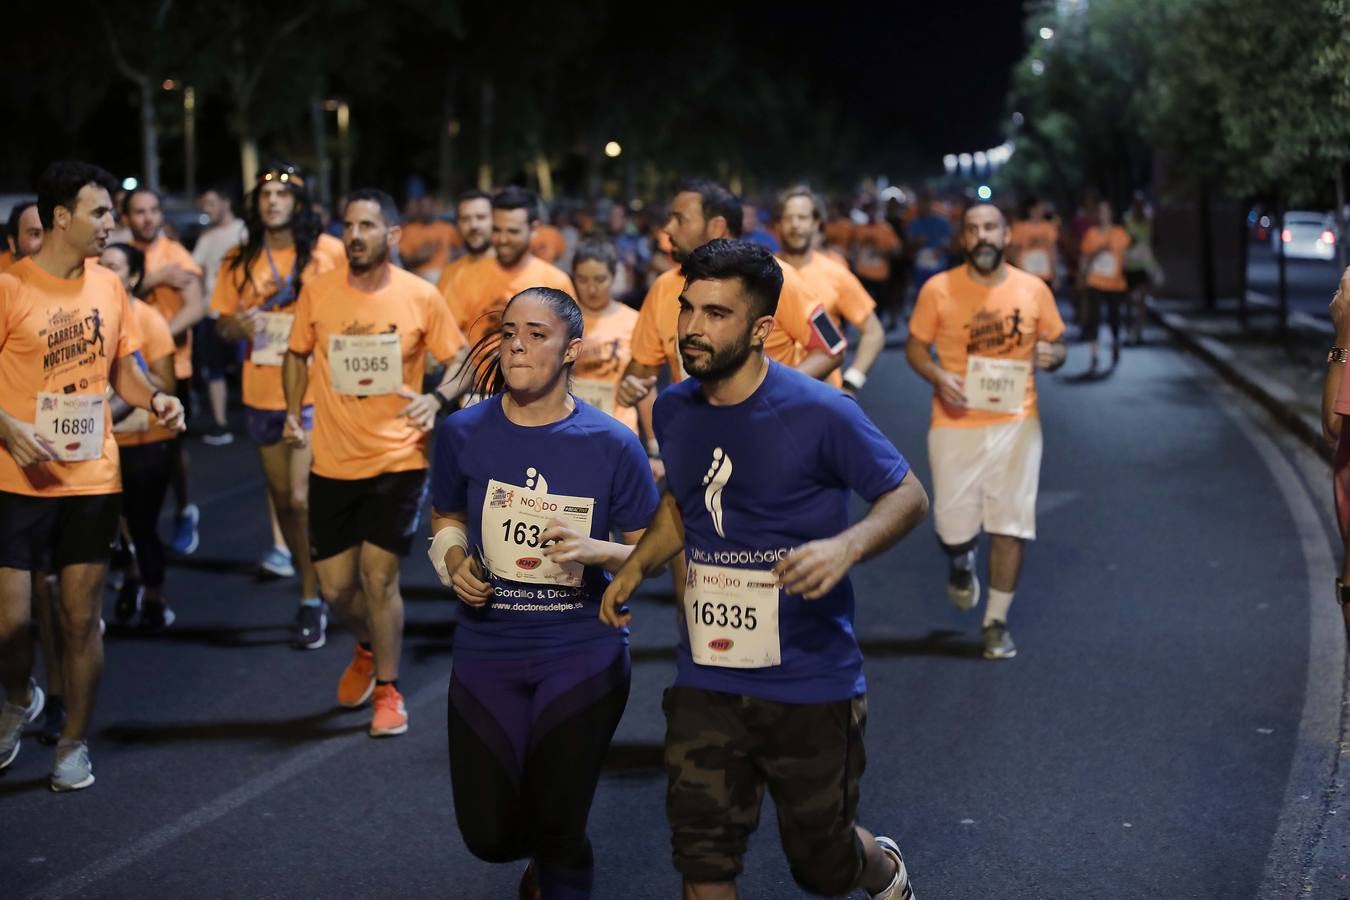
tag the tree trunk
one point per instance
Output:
(318, 126)
(149, 135)
(1206, 249)
(248, 161)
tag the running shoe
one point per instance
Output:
(53, 721)
(899, 888)
(13, 717)
(218, 436)
(118, 564)
(963, 587)
(358, 680)
(390, 716)
(311, 627)
(129, 600)
(156, 617)
(998, 642)
(277, 563)
(71, 771)
(185, 537)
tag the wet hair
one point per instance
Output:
(15, 214)
(817, 207)
(61, 183)
(715, 201)
(513, 197)
(141, 189)
(388, 208)
(484, 359)
(596, 250)
(760, 274)
(135, 260)
(304, 229)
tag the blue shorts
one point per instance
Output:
(266, 426)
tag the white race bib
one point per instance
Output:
(600, 394)
(1036, 262)
(72, 423)
(271, 337)
(365, 364)
(513, 520)
(136, 423)
(1104, 265)
(996, 385)
(732, 617)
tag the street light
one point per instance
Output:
(612, 149)
(1037, 68)
(1047, 33)
(949, 162)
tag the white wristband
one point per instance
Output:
(447, 537)
(854, 378)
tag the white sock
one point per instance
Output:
(997, 607)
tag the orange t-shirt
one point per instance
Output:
(842, 294)
(61, 335)
(443, 236)
(656, 336)
(166, 300)
(6, 260)
(606, 349)
(873, 247)
(448, 283)
(156, 343)
(548, 243)
(484, 287)
(839, 235)
(361, 437)
(1004, 322)
(1105, 255)
(1037, 245)
(332, 249)
(262, 384)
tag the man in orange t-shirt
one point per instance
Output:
(473, 218)
(1034, 244)
(65, 337)
(548, 243)
(992, 326)
(480, 294)
(428, 241)
(369, 328)
(1101, 267)
(173, 286)
(843, 295)
(607, 339)
(875, 246)
(254, 298)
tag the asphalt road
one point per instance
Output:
(1140, 745)
(1311, 282)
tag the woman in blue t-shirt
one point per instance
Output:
(527, 488)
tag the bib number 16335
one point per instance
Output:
(732, 617)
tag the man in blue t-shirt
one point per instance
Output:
(928, 238)
(760, 463)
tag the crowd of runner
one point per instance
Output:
(589, 403)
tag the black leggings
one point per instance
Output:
(528, 739)
(145, 480)
(1092, 319)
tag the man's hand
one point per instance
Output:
(173, 275)
(421, 409)
(562, 543)
(812, 570)
(658, 467)
(26, 446)
(169, 410)
(469, 584)
(621, 587)
(634, 387)
(1050, 355)
(951, 388)
(294, 433)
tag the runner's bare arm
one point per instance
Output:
(132, 385)
(812, 570)
(565, 544)
(663, 539)
(23, 443)
(819, 363)
(950, 386)
(294, 381)
(194, 307)
(467, 577)
(1050, 355)
(871, 341)
(637, 382)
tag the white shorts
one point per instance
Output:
(985, 477)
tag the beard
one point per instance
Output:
(374, 258)
(796, 248)
(986, 257)
(479, 248)
(719, 362)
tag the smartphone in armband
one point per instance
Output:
(825, 334)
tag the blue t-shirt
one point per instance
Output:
(587, 454)
(931, 257)
(786, 460)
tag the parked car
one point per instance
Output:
(1306, 235)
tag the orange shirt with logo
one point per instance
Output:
(1105, 255)
(482, 290)
(963, 317)
(606, 348)
(1036, 246)
(873, 247)
(61, 335)
(156, 343)
(168, 300)
(361, 437)
(443, 236)
(656, 336)
(262, 384)
(839, 235)
(548, 243)
(844, 297)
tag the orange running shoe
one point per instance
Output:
(390, 716)
(358, 680)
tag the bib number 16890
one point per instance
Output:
(725, 615)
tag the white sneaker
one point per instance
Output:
(963, 586)
(14, 717)
(899, 888)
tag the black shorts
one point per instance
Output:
(383, 511)
(46, 534)
(1136, 278)
(723, 750)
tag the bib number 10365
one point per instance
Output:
(72, 424)
(365, 364)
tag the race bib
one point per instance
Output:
(600, 394)
(72, 423)
(136, 423)
(996, 385)
(732, 617)
(514, 518)
(270, 338)
(365, 364)
(1104, 265)
(928, 259)
(1036, 262)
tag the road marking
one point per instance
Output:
(221, 806)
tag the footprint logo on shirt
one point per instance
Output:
(535, 481)
(719, 473)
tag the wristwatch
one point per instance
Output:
(1338, 355)
(854, 378)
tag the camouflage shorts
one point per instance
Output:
(722, 750)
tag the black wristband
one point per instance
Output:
(443, 400)
(153, 395)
